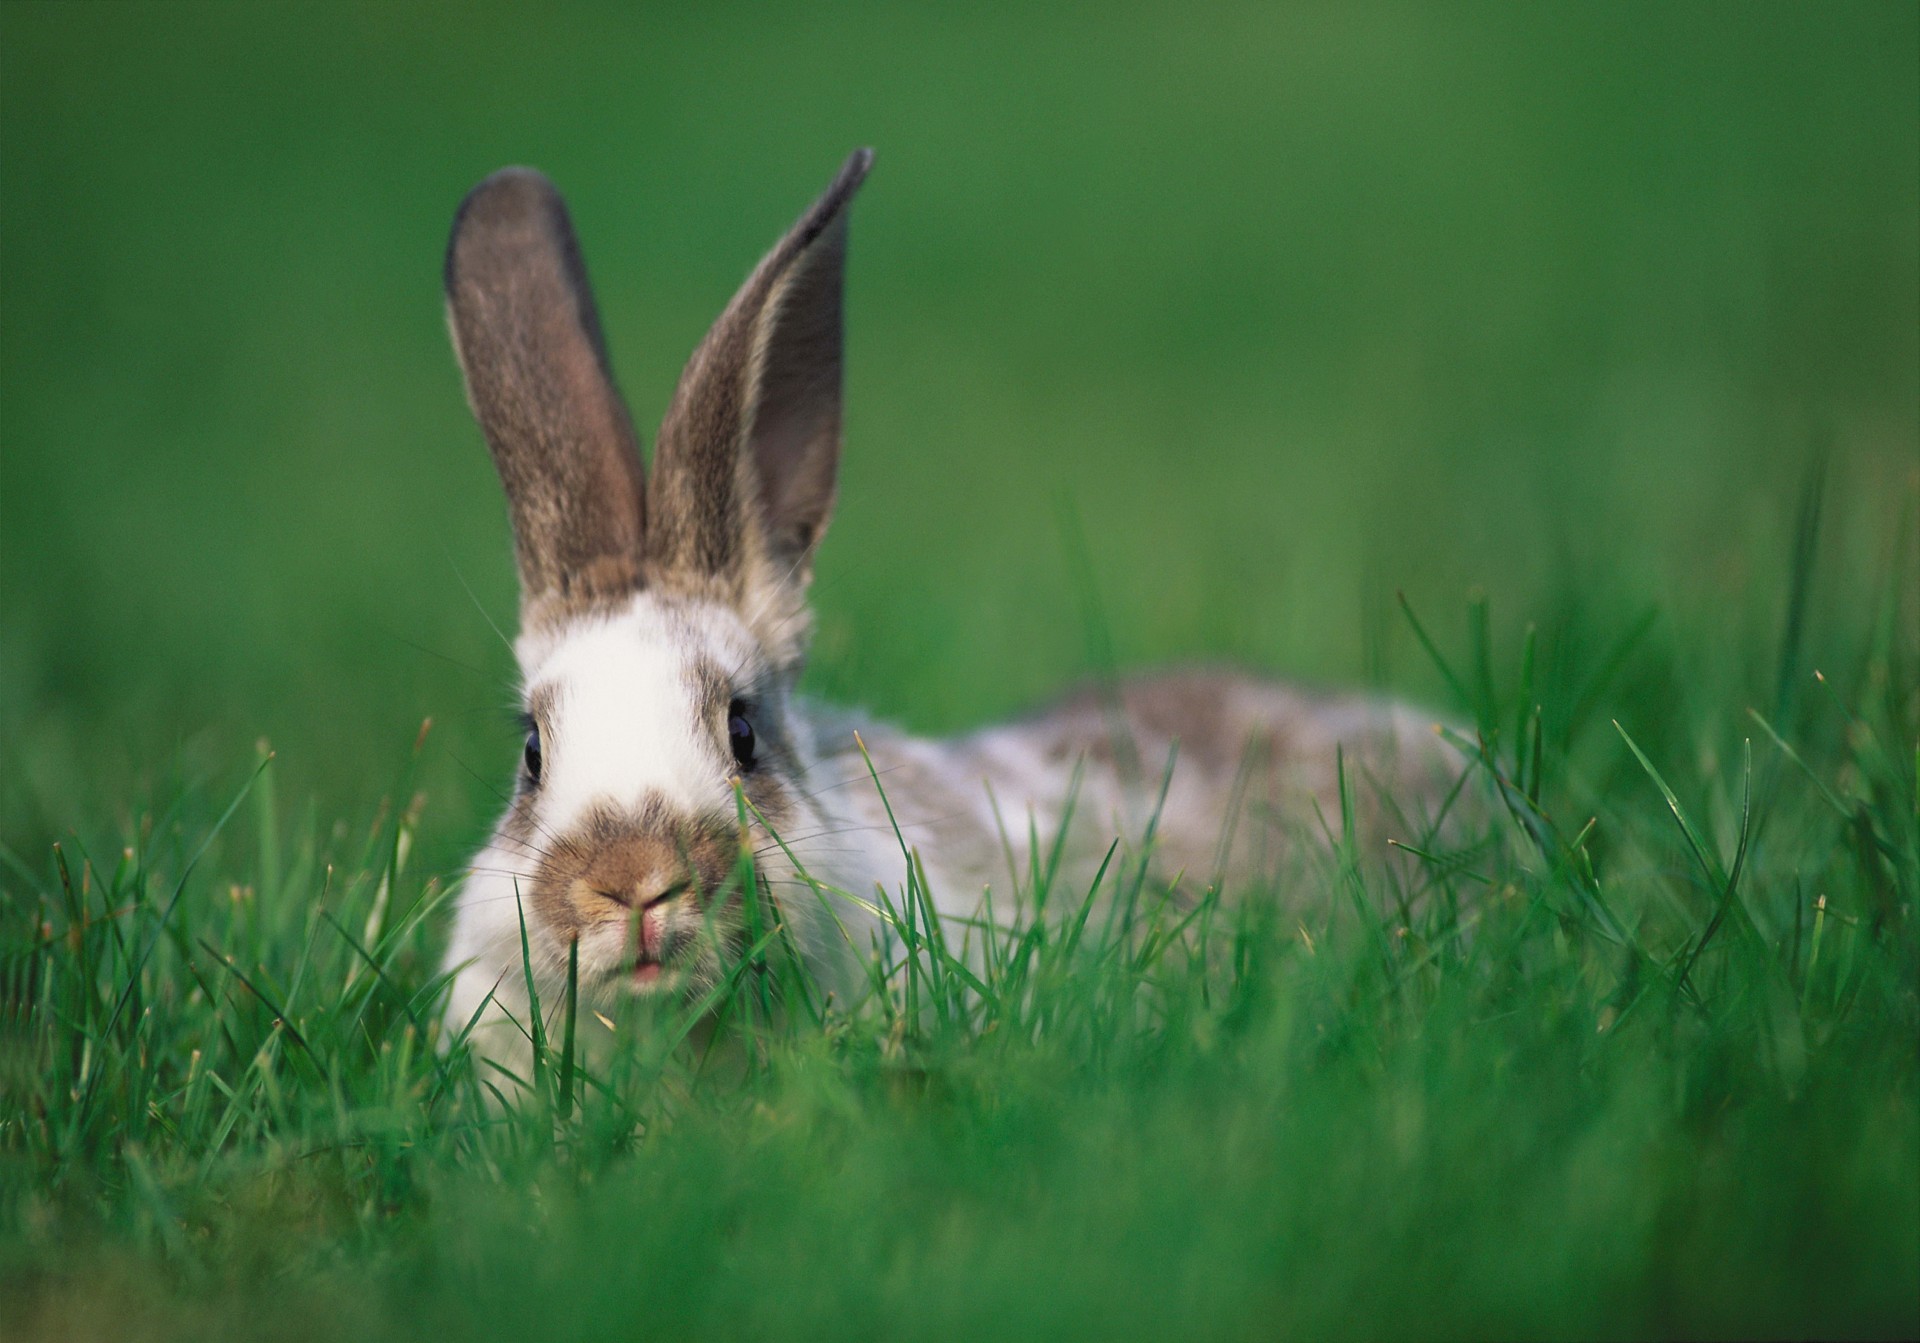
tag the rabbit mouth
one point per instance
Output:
(652, 971)
(651, 977)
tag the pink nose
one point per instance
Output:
(651, 932)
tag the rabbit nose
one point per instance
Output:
(634, 866)
(631, 897)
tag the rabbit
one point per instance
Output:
(663, 625)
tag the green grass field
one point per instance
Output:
(1591, 335)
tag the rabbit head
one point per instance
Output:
(663, 616)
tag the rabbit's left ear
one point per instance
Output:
(744, 469)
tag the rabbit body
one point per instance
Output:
(663, 626)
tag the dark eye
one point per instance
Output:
(532, 756)
(740, 735)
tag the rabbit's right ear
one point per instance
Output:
(529, 343)
(744, 469)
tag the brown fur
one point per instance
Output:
(614, 865)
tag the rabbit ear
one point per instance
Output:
(743, 475)
(529, 343)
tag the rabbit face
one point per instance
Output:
(663, 615)
(626, 820)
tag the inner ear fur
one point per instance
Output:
(537, 376)
(745, 468)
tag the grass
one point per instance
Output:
(1559, 369)
(1626, 1063)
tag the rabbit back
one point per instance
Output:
(1217, 776)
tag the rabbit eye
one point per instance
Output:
(740, 735)
(532, 756)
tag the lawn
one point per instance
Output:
(1556, 368)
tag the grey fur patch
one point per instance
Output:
(712, 690)
(1251, 771)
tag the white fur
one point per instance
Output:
(624, 723)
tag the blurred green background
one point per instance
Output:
(1288, 307)
(1192, 331)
